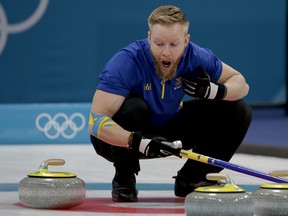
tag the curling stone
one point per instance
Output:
(51, 190)
(221, 199)
(271, 199)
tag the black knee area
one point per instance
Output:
(133, 115)
(103, 149)
(122, 158)
(243, 112)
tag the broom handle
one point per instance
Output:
(227, 165)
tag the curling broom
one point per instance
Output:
(230, 166)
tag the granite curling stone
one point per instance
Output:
(271, 199)
(43, 189)
(224, 198)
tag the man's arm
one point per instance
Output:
(107, 104)
(235, 83)
(101, 125)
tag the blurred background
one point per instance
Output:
(51, 53)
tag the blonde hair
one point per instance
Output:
(167, 15)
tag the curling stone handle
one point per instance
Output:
(53, 162)
(279, 173)
(218, 177)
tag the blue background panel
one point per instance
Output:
(57, 57)
(44, 123)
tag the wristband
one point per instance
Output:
(214, 89)
(134, 141)
(221, 93)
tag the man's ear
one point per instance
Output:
(149, 36)
(187, 39)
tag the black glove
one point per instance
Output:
(203, 88)
(153, 147)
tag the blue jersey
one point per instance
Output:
(131, 72)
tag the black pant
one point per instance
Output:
(214, 128)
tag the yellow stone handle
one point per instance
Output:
(218, 177)
(279, 173)
(227, 187)
(44, 172)
(53, 162)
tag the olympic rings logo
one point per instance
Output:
(6, 28)
(60, 125)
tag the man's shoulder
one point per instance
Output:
(137, 45)
(139, 50)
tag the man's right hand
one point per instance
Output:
(155, 146)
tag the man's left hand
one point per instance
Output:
(203, 88)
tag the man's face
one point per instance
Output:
(167, 44)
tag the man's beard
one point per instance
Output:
(164, 74)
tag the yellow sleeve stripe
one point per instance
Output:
(91, 119)
(98, 121)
